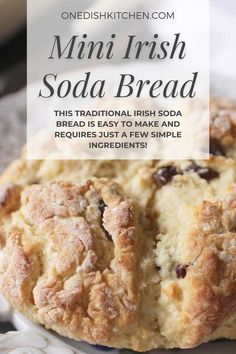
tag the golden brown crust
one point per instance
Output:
(77, 269)
(223, 121)
(223, 127)
(9, 198)
(211, 280)
(196, 253)
(154, 269)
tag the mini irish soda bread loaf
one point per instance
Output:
(71, 258)
(127, 254)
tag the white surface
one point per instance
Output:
(223, 34)
(32, 342)
(222, 37)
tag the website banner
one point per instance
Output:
(118, 82)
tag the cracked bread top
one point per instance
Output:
(143, 262)
(70, 258)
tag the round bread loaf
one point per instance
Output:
(127, 254)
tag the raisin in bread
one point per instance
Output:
(128, 254)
